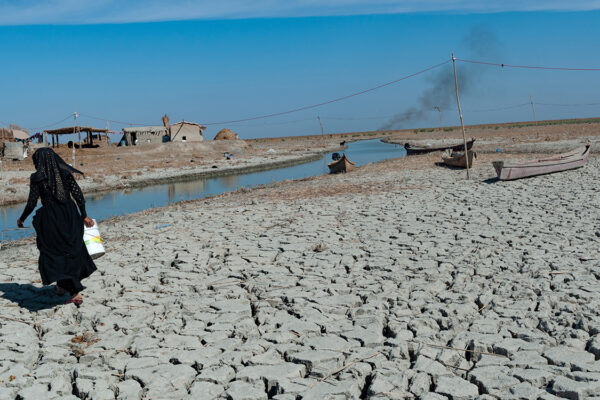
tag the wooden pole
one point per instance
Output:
(321, 124)
(73, 141)
(462, 125)
(533, 108)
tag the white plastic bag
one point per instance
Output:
(93, 242)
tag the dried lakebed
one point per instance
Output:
(337, 297)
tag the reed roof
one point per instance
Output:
(71, 129)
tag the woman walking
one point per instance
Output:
(59, 227)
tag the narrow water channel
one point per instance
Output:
(119, 202)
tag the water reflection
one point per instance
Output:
(229, 181)
(108, 204)
(183, 190)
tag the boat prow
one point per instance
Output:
(341, 165)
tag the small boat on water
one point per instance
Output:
(340, 165)
(457, 159)
(507, 170)
(412, 150)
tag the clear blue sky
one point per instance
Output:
(229, 66)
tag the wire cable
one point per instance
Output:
(500, 108)
(113, 121)
(567, 105)
(329, 101)
(528, 66)
(49, 125)
(356, 118)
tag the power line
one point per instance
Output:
(113, 121)
(49, 125)
(356, 118)
(275, 123)
(500, 108)
(360, 93)
(568, 105)
(296, 109)
(528, 66)
(329, 101)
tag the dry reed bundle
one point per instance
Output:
(226, 134)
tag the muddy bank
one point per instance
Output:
(15, 184)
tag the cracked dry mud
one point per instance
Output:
(427, 287)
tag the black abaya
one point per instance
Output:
(59, 229)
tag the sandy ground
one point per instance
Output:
(398, 280)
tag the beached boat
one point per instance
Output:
(412, 150)
(457, 159)
(507, 170)
(341, 165)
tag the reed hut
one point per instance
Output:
(226, 134)
(20, 134)
(185, 131)
(89, 134)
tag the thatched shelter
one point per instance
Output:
(185, 131)
(9, 134)
(141, 135)
(72, 130)
(226, 134)
(5, 135)
(20, 134)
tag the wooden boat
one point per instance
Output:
(457, 159)
(412, 150)
(507, 170)
(341, 165)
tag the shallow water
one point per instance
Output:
(109, 204)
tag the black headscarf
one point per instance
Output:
(51, 170)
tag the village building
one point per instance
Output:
(185, 131)
(142, 135)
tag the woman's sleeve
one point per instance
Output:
(77, 195)
(34, 194)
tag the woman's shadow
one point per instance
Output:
(31, 297)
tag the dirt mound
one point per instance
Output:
(226, 134)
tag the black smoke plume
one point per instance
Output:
(481, 43)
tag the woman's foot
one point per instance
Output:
(77, 299)
(59, 291)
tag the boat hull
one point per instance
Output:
(459, 160)
(414, 150)
(341, 165)
(563, 162)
